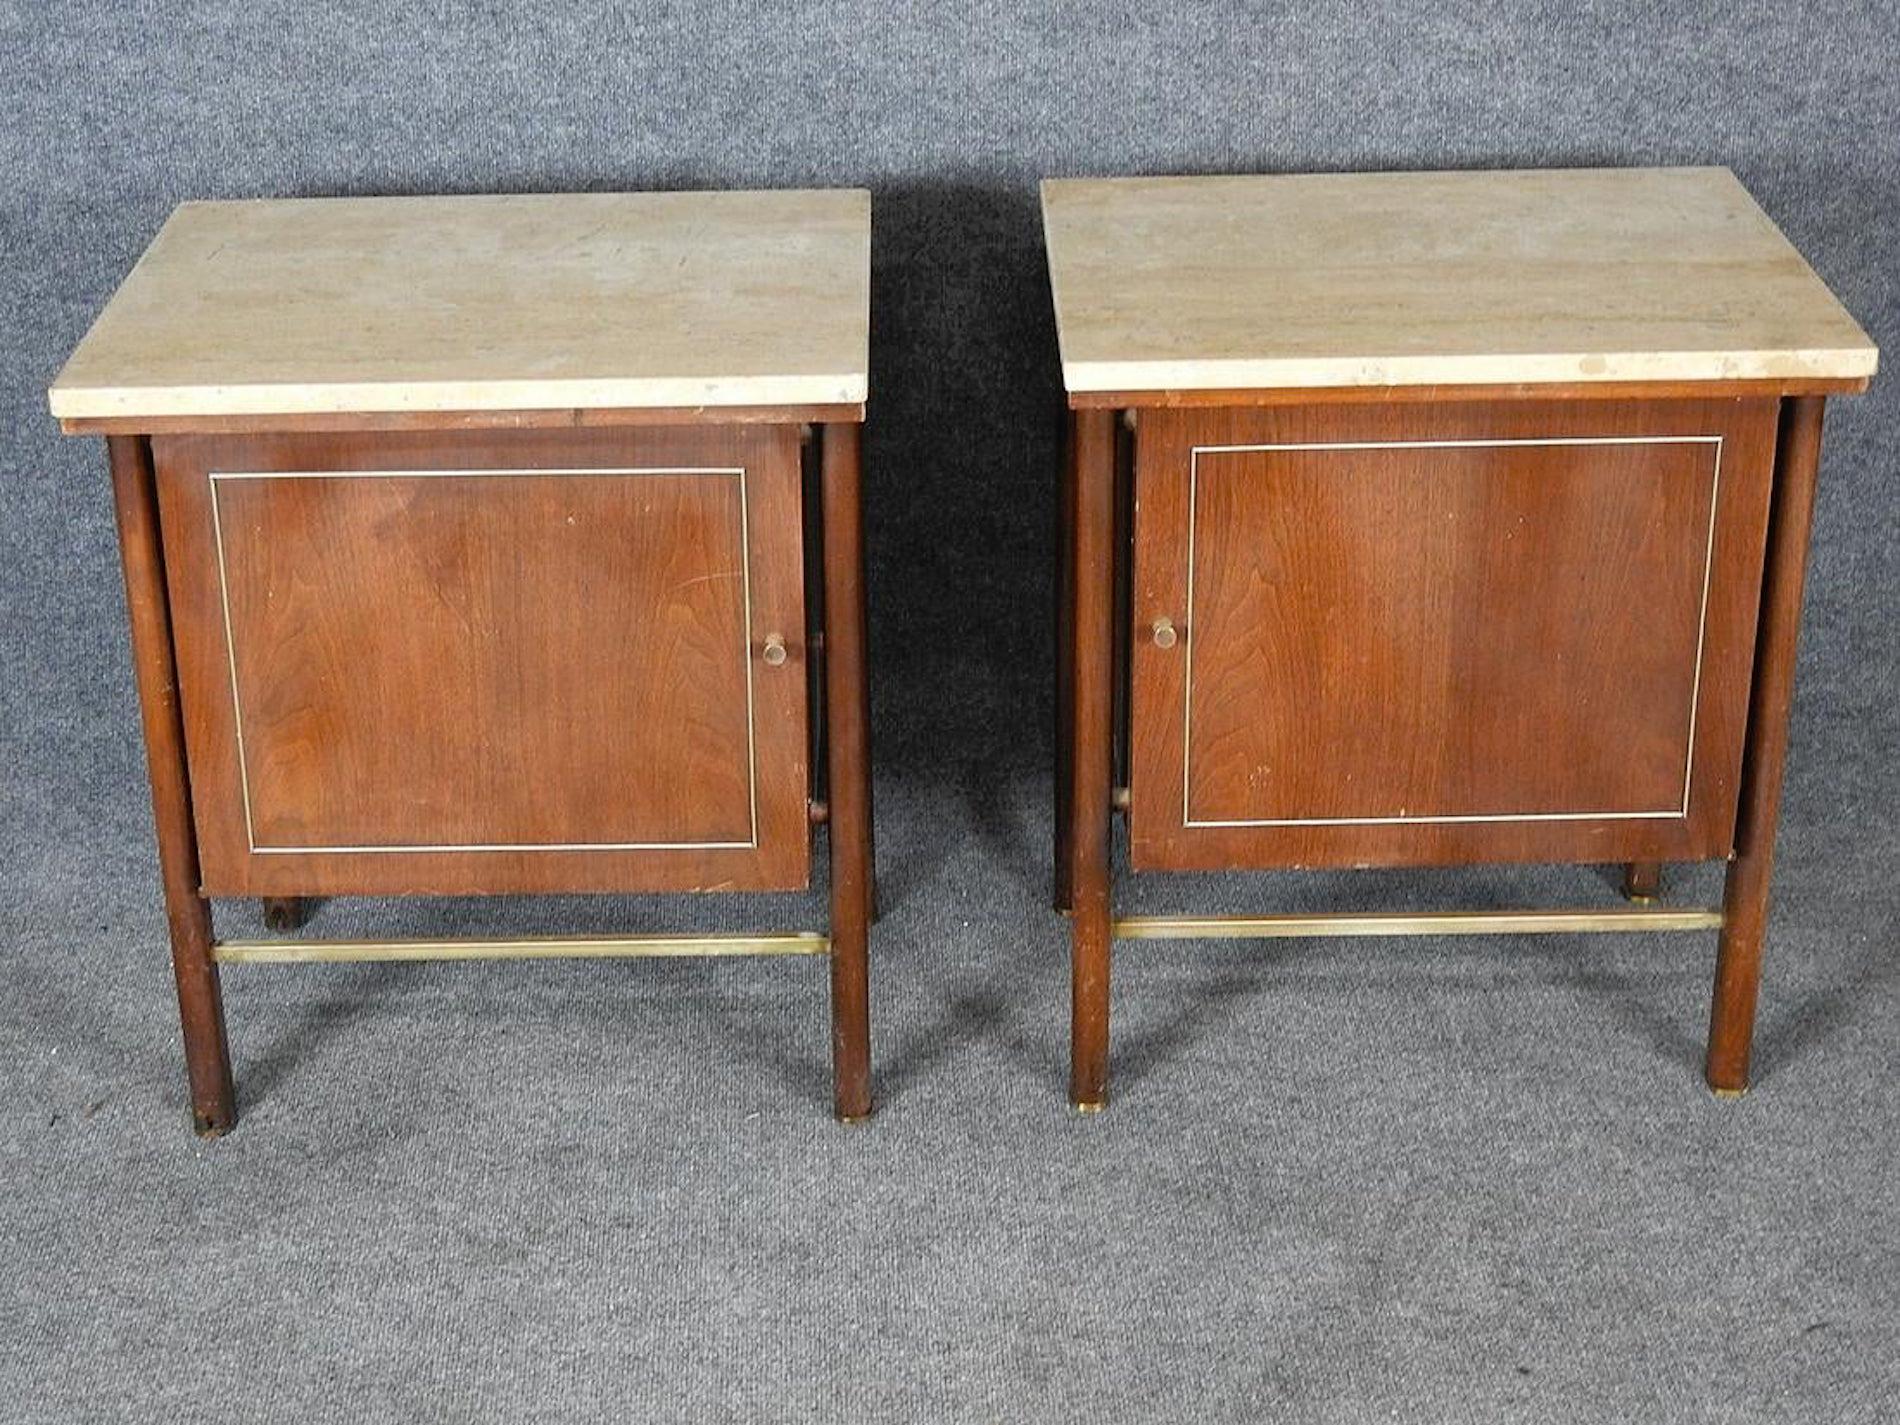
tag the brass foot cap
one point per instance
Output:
(1641, 900)
(1096, 1107)
(850, 1118)
(1729, 1093)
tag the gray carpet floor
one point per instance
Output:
(1340, 1181)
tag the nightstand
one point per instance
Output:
(1463, 519)
(495, 544)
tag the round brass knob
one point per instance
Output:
(774, 651)
(1164, 632)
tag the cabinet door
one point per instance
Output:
(491, 661)
(1429, 634)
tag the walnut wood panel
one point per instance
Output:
(848, 767)
(1420, 635)
(499, 661)
(1745, 898)
(194, 970)
(1091, 769)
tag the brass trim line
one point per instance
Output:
(217, 477)
(1195, 453)
(539, 947)
(1442, 922)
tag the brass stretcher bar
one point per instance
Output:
(1443, 922)
(536, 947)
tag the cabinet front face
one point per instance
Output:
(1413, 634)
(473, 662)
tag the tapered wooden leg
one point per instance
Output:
(849, 739)
(1745, 900)
(1092, 555)
(284, 912)
(1065, 665)
(200, 1003)
(1642, 880)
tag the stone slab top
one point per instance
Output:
(286, 307)
(1427, 279)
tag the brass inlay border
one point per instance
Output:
(537, 947)
(1442, 922)
(237, 707)
(1695, 694)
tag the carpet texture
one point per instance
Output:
(1474, 1180)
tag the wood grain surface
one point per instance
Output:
(491, 661)
(1415, 635)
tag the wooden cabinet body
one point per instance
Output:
(1432, 634)
(529, 661)
(1426, 519)
(495, 544)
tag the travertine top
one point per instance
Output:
(1399, 279)
(595, 300)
